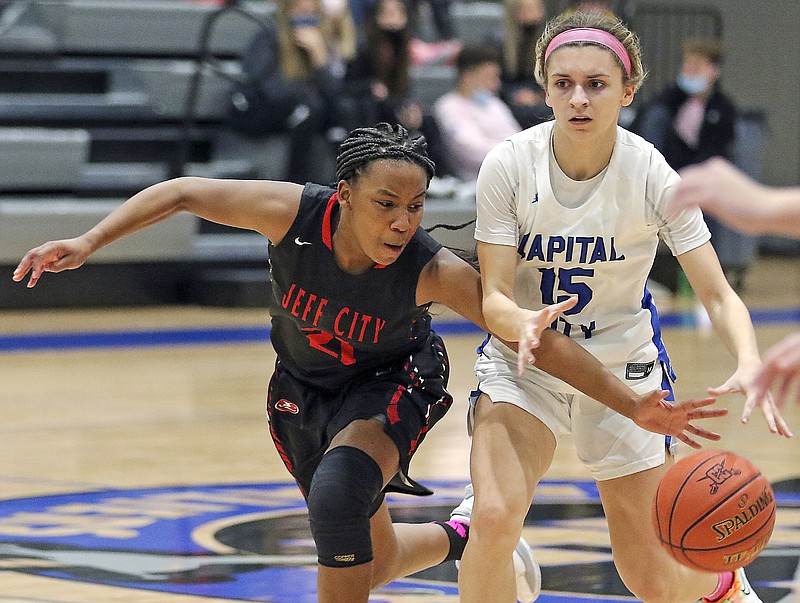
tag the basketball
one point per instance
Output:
(714, 511)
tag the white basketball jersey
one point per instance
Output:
(602, 251)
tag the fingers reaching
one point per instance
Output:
(692, 407)
(555, 310)
(531, 330)
(658, 415)
(725, 388)
(53, 256)
(27, 265)
(783, 428)
(763, 398)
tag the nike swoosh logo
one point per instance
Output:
(297, 241)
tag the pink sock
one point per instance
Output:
(724, 584)
(457, 532)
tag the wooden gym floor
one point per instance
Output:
(137, 465)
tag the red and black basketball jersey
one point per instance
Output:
(329, 326)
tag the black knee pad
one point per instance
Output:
(345, 485)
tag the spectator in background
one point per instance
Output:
(378, 80)
(524, 22)
(422, 52)
(381, 68)
(358, 12)
(441, 12)
(693, 120)
(293, 77)
(340, 27)
(472, 118)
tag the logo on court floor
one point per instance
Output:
(251, 542)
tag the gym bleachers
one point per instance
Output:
(49, 217)
(42, 158)
(121, 71)
(94, 97)
(168, 28)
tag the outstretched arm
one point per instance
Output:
(731, 320)
(505, 318)
(563, 358)
(720, 189)
(264, 206)
(453, 282)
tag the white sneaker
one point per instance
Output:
(464, 509)
(528, 573)
(526, 570)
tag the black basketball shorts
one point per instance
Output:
(408, 397)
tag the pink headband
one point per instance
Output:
(590, 34)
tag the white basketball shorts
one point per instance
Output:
(609, 444)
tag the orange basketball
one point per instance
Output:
(714, 511)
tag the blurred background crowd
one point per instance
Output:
(101, 98)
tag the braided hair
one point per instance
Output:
(382, 141)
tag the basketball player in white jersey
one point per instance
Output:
(575, 206)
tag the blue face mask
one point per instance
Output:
(481, 97)
(692, 84)
(305, 21)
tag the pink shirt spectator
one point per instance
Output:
(471, 129)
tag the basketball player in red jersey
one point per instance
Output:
(360, 376)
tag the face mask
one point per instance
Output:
(393, 35)
(305, 21)
(530, 28)
(692, 84)
(481, 97)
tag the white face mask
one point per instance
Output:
(481, 97)
(692, 84)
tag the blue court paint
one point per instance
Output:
(132, 339)
(251, 542)
(32, 342)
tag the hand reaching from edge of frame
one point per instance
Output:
(658, 415)
(53, 256)
(531, 330)
(740, 383)
(718, 188)
(780, 371)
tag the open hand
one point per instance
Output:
(658, 415)
(740, 383)
(53, 256)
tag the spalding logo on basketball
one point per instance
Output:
(714, 511)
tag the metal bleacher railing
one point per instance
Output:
(207, 61)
